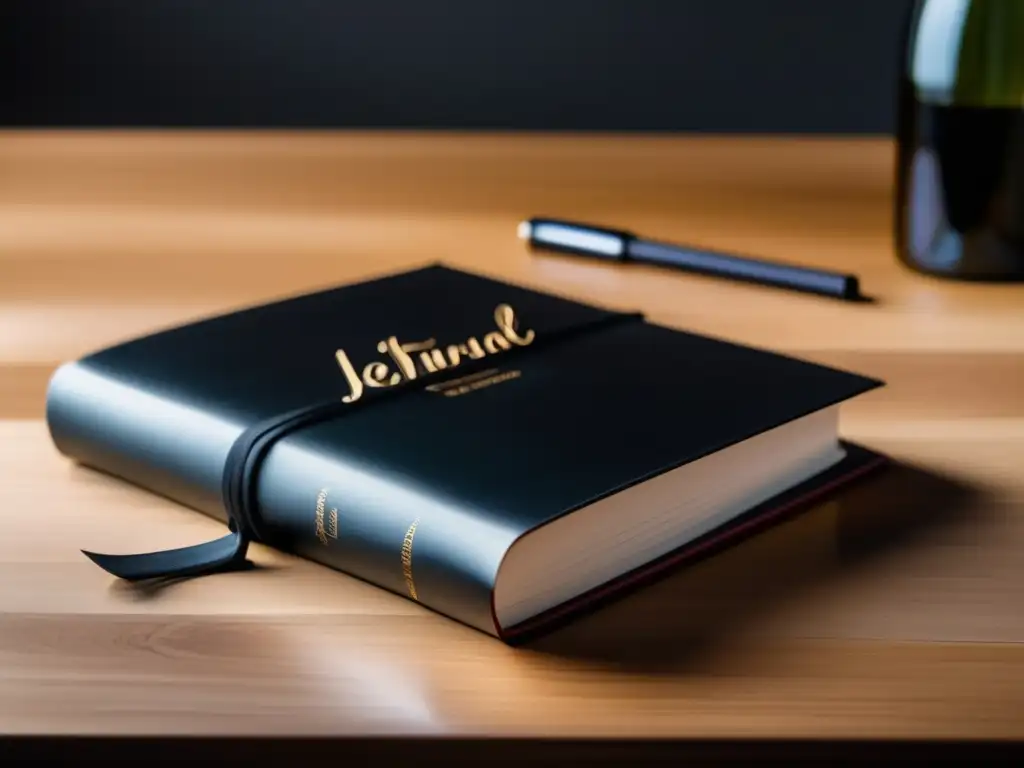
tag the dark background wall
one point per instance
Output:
(801, 66)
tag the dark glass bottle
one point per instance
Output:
(959, 198)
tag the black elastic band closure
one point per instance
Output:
(238, 488)
(239, 482)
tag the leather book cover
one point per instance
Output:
(454, 415)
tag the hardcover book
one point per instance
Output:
(505, 457)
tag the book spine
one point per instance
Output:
(318, 504)
(330, 508)
(143, 437)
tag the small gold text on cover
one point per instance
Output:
(410, 534)
(466, 384)
(326, 520)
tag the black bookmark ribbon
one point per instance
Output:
(238, 488)
(239, 483)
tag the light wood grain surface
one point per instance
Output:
(894, 610)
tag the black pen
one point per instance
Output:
(620, 245)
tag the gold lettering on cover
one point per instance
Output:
(433, 360)
(321, 503)
(354, 382)
(410, 584)
(427, 363)
(505, 317)
(441, 386)
(376, 375)
(456, 352)
(474, 350)
(400, 353)
(494, 342)
(325, 529)
(478, 383)
(431, 357)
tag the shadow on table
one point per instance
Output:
(684, 617)
(147, 590)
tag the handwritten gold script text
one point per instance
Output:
(411, 358)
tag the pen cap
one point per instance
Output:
(570, 237)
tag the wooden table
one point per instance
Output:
(893, 612)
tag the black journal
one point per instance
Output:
(503, 456)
